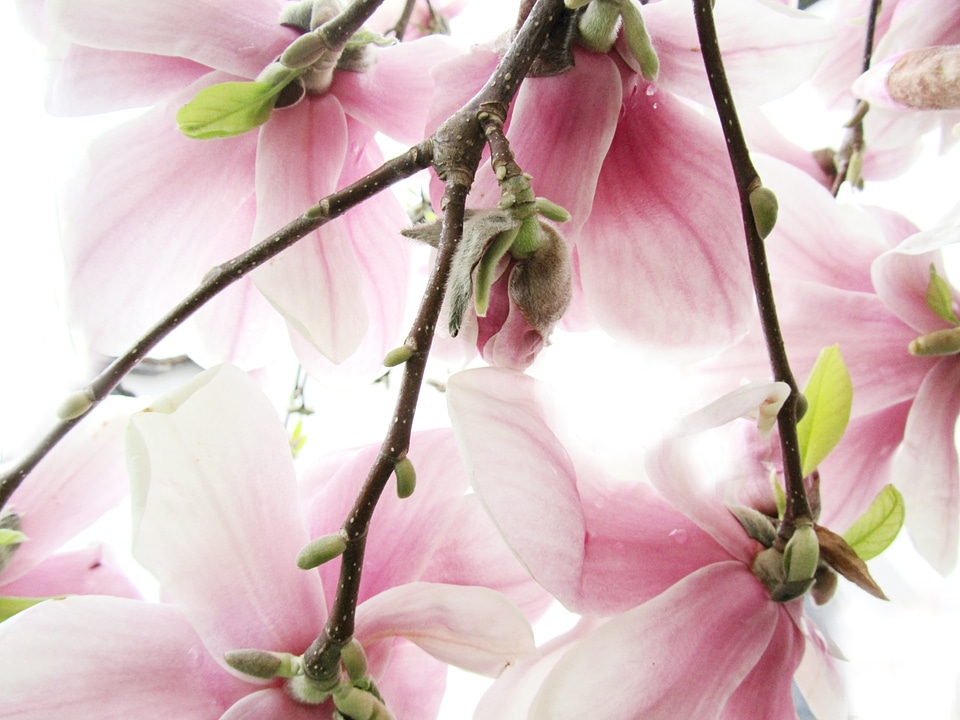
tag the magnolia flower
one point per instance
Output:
(72, 487)
(656, 227)
(862, 278)
(218, 520)
(678, 623)
(166, 208)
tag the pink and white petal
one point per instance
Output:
(901, 279)
(713, 626)
(666, 236)
(216, 518)
(860, 465)
(138, 220)
(474, 553)
(556, 517)
(90, 571)
(383, 256)
(768, 50)
(819, 681)
(670, 466)
(400, 544)
(747, 401)
(389, 96)
(92, 658)
(767, 692)
(475, 628)
(316, 284)
(272, 703)
(561, 130)
(926, 468)
(457, 80)
(81, 478)
(412, 683)
(217, 33)
(87, 81)
(818, 239)
(763, 136)
(522, 473)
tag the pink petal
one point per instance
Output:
(680, 655)
(82, 478)
(315, 284)
(134, 248)
(901, 277)
(472, 627)
(577, 531)
(767, 691)
(216, 516)
(89, 81)
(768, 50)
(819, 681)
(240, 40)
(109, 658)
(926, 469)
(662, 257)
(389, 96)
(91, 571)
(412, 683)
(269, 704)
(399, 544)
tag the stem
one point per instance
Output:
(333, 206)
(853, 138)
(336, 31)
(457, 146)
(401, 27)
(747, 178)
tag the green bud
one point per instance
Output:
(323, 549)
(802, 554)
(764, 204)
(528, 239)
(638, 40)
(75, 404)
(755, 523)
(551, 211)
(354, 660)
(599, 24)
(939, 342)
(406, 477)
(10, 537)
(358, 704)
(309, 691)
(398, 356)
(256, 663)
(854, 168)
(488, 263)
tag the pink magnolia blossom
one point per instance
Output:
(677, 624)
(151, 210)
(80, 480)
(218, 520)
(655, 227)
(858, 277)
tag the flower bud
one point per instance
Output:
(764, 204)
(304, 51)
(354, 660)
(920, 79)
(638, 41)
(551, 211)
(599, 25)
(10, 538)
(323, 549)
(398, 356)
(358, 704)
(802, 554)
(939, 342)
(75, 404)
(256, 663)
(406, 478)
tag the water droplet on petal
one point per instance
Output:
(651, 90)
(655, 105)
(679, 536)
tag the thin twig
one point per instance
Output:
(333, 206)
(747, 178)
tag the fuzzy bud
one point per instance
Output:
(255, 663)
(802, 554)
(354, 660)
(765, 207)
(406, 478)
(639, 43)
(939, 342)
(322, 550)
(599, 25)
(359, 704)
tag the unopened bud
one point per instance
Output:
(802, 554)
(10, 538)
(599, 24)
(354, 660)
(406, 477)
(308, 691)
(321, 550)
(939, 342)
(824, 584)
(638, 40)
(764, 204)
(359, 704)
(256, 663)
(75, 404)
(304, 51)
(398, 355)
(551, 211)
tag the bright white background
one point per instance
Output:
(903, 655)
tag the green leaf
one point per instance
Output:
(829, 394)
(10, 606)
(873, 531)
(940, 298)
(228, 109)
